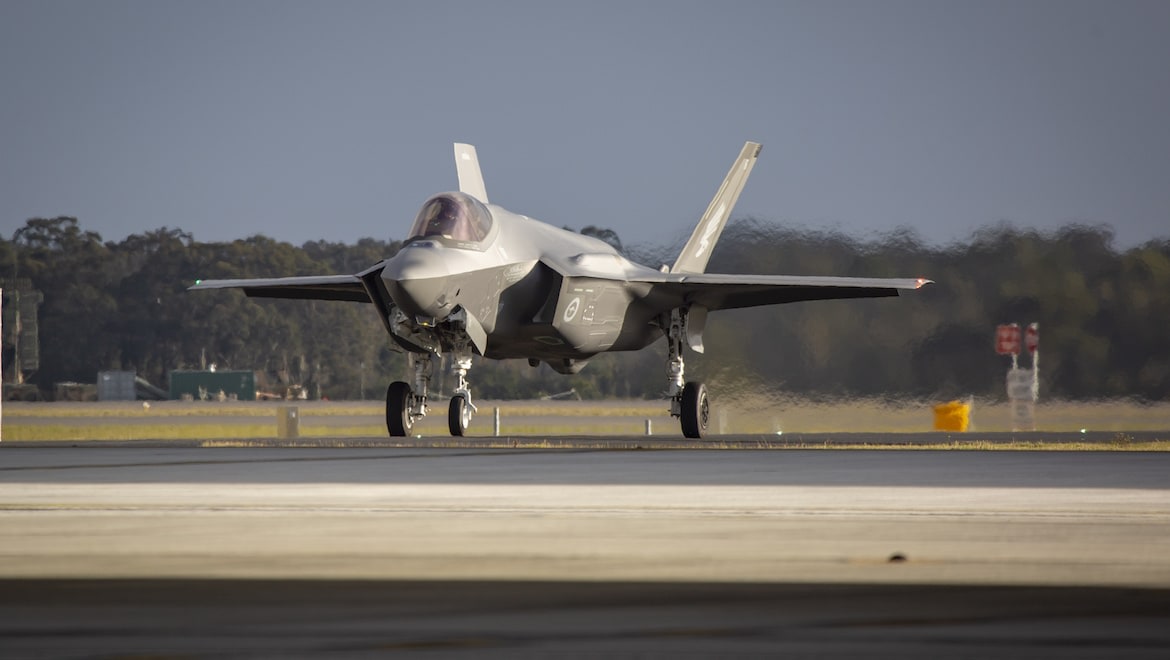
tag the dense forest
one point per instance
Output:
(1104, 315)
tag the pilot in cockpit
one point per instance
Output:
(452, 215)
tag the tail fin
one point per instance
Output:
(467, 167)
(697, 251)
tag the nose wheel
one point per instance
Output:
(461, 409)
(458, 415)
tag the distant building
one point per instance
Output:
(213, 385)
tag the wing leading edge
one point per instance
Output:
(315, 287)
(717, 291)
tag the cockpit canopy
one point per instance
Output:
(454, 215)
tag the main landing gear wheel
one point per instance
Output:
(696, 411)
(398, 400)
(458, 415)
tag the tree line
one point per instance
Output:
(1103, 315)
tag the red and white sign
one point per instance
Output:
(1007, 339)
(1032, 337)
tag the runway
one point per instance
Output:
(351, 552)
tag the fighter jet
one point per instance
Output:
(473, 278)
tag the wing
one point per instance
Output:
(716, 291)
(315, 287)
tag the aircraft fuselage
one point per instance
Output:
(527, 307)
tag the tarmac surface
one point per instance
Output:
(161, 551)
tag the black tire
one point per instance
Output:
(696, 410)
(398, 419)
(458, 416)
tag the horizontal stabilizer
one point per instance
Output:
(314, 287)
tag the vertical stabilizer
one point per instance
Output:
(697, 251)
(467, 167)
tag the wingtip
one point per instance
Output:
(922, 281)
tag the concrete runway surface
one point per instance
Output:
(357, 552)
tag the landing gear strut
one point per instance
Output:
(688, 400)
(460, 411)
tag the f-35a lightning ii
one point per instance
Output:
(476, 279)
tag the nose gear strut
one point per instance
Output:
(461, 409)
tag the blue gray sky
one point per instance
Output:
(334, 120)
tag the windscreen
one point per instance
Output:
(453, 215)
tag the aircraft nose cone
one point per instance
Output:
(421, 297)
(417, 281)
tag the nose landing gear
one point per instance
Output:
(460, 411)
(459, 415)
(406, 405)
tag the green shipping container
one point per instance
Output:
(206, 385)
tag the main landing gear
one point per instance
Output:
(399, 401)
(688, 400)
(695, 411)
(405, 404)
